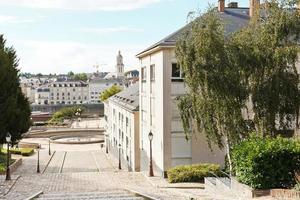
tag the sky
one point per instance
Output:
(58, 36)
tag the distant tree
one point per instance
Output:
(39, 75)
(71, 74)
(80, 77)
(14, 107)
(110, 92)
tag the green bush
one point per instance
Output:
(192, 173)
(65, 113)
(20, 151)
(264, 163)
(3, 158)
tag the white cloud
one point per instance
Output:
(112, 30)
(7, 19)
(61, 57)
(106, 5)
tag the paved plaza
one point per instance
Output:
(83, 169)
(75, 168)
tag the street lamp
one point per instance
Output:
(78, 112)
(49, 148)
(120, 156)
(150, 136)
(8, 140)
(38, 159)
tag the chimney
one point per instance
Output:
(221, 6)
(254, 7)
(233, 5)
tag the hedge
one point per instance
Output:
(264, 163)
(193, 173)
(20, 151)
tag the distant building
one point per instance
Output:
(69, 92)
(131, 77)
(42, 96)
(97, 87)
(63, 92)
(121, 113)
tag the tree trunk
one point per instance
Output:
(228, 151)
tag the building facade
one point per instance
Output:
(121, 113)
(97, 87)
(161, 83)
(62, 92)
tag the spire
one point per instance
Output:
(120, 65)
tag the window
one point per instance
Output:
(144, 74)
(126, 121)
(177, 74)
(152, 72)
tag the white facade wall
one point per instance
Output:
(96, 89)
(41, 97)
(123, 129)
(159, 114)
(68, 93)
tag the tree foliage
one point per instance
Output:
(78, 77)
(65, 113)
(225, 72)
(14, 107)
(110, 92)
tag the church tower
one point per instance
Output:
(120, 65)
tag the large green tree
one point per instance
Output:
(224, 73)
(14, 107)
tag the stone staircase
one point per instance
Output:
(109, 195)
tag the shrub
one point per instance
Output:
(264, 163)
(27, 151)
(297, 187)
(65, 113)
(192, 173)
(20, 151)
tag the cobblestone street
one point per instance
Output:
(88, 169)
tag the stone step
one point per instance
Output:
(91, 198)
(112, 195)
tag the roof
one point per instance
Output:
(128, 98)
(95, 81)
(234, 19)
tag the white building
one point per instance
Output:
(122, 119)
(63, 92)
(97, 86)
(42, 95)
(161, 82)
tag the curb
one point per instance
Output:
(146, 196)
(34, 195)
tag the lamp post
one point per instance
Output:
(78, 112)
(150, 136)
(106, 142)
(49, 148)
(8, 140)
(120, 156)
(38, 160)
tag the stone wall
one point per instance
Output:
(90, 109)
